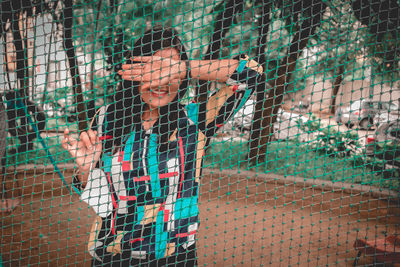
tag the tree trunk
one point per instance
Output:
(28, 75)
(266, 110)
(261, 92)
(264, 23)
(23, 80)
(261, 132)
(21, 58)
(222, 25)
(92, 102)
(117, 37)
(336, 87)
(73, 64)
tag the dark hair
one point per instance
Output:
(128, 105)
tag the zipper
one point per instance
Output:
(145, 150)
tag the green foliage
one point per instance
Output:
(330, 141)
(117, 30)
(340, 41)
(37, 155)
(385, 159)
(300, 160)
(334, 143)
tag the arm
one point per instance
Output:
(224, 103)
(154, 71)
(90, 179)
(213, 70)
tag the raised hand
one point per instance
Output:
(154, 71)
(86, 150)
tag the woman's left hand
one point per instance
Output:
(153, 71)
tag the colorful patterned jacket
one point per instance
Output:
(147, 201)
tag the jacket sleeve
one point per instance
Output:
(97, 194)
(225, 103)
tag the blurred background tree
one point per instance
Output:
(295, 41)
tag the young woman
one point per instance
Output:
(140, 163)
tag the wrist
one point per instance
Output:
(184, 69)
(79, 178)
(84, 169)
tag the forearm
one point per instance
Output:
(213, 70)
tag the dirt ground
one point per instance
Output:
(244, 222)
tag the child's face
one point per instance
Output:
(162, 95)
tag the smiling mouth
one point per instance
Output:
(159, 94)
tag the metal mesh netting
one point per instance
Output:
(186, 133)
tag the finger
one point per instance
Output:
(98, 145)
(73, 144)
(66, 133)
(68, 139)
(150, 77)
(132, 76)
(137, 78)
(70, 147)
(64, 144)
(80, 144)
(131, 72)
(86, 140)
(92, 136)
(141, 78)
(132, 66)
(129, 77)
(146, 58)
